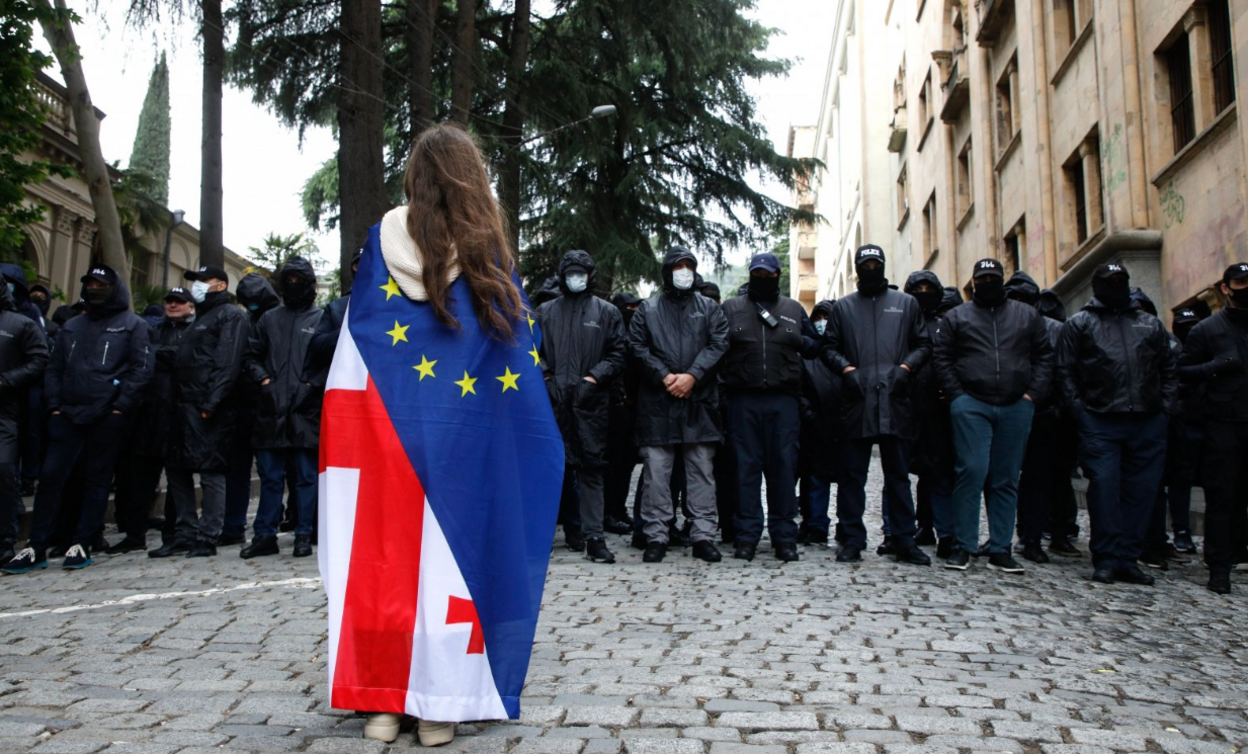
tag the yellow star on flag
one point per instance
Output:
(425, 367)
(391, 288)
(398, 333)
(509, 380)
(537, 359)
(466, 383)
(529, 317)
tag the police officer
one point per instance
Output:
(762, 378)
(23, 358)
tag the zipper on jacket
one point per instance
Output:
(104, 360)
(764, 329)
(996, 345)
(1122, 333)
(70, 355)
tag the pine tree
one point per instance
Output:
(150, 154)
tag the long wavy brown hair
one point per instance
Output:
(451, 211)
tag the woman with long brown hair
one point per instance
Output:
(441, 464)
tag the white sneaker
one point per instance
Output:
(434, 734)
(382, 726)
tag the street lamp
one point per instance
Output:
(177, 216)
(602, 111)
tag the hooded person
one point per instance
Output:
(100, 367)
(33, 425)
(678, 339)
(582, 357)
(1116, 371)
(710, 290)
(768, 336)
(255, 294)
(153, 315)
(994, 360)
(877, 340)
(1186, 437)
(288, 415)
(1050, 305)
(206, 370)
(820, 448)
(23, 359)
(621, 452)
(1022, 288)
(41, 298)
(15, 281)
(932, 458)
(550, 289)
(1214, 355)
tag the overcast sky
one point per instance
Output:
(265, 165)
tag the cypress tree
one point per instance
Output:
(150, 154)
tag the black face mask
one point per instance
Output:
(97, 296)
(929, 301)
(627, 314)
(1239, 298)
(1115, 294)
(41, 304)
(990, 292)
(871, 280)
(296, 292)
(764, 289)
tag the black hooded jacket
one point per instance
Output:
(932, 452)
(582, 336)
(1116, 362)
(673, 333)
(102, 362)
(1023, 287)
(255, 293)
(995, 354)
(23, 357)
(153, 426)
(1215, 356)
(206, 376)
(821, 420)
(876, 334)
(288, 411)
(21, 294)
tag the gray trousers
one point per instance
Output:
(657, 507)
(589, 493)
(192, 524)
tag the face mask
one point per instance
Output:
(199, 291)
(97, 296)
(871, 280)
(253, 307)
(577, 282)
(929, 301)
(12, 288)
(682, 279)
(990, 292)
(41, 304)
(764, 289)
(296, 292)
(821, 325)
(1116, 294)
(1239, 298)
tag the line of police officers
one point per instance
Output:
(983, 400)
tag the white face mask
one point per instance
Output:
(821, 325)
(577, 282)
(199, 291)
(682, 279)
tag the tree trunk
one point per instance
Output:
(211, 194)
(461, 63)
(95, 169)
(513, 123)
(421, 19)
(361, 119)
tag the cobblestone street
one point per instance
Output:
(141, 656)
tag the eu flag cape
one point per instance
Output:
(440, 473)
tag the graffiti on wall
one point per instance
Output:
(1173, 205)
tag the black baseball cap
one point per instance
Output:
(1109, 270)
(867, 253)
(178, 294)
(989, 267)
(1237, 271)
(765, 261)
(101, 272)
(1186, 314)
(207, 272)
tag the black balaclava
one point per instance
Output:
(764, 288)
(870, 282)
(1114, 293)
(929, 300)
(42, 304)
(989, 283)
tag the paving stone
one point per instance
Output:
(346, 746)
(611, 717)
(663, 746)
(769, 720)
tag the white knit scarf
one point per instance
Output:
(403, 257)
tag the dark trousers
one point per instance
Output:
(142, 480)
(851, 492)
(32, 433)
(10, 494)
(1124, 457)
(814, 501)
(1042, 473)
(990, 442)
(621, 459)
(272, 466)
(102, 439)
(764, 431)
(1225, 473)
(570, 504)
(935, 493)
(238, 492)
(1063, 509)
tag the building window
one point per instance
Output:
(930, 243)
(1219, 22)
(925, 101)
(1013, 248)
(1079, 198)
(1069, 18)
(1007, 119)
(1182, 103)
(903, 197)
(965, 193)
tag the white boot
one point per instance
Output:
(434, 734)
(382, 726)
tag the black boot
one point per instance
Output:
(1220, 580)
(259, 546)
(303, 545)
(202, 549)
(124, 546)
(596, 550)
(169, 549)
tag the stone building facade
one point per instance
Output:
(1054, 135)
(60, 246)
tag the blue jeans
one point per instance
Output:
(938, 490)
(816, 500)
(990, 442)
(1124, 458)
(272, 467)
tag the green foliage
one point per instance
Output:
(150, 154)
(143, 296)
(21, 117)
(141, 213)
(277, 249)
(320, 197)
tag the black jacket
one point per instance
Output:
(821, 408)
(932, 452)
(876, 334)
(1215, 355)
(102, 362)
(765, 358)
(21, 295)
(325, 340)
(1116, 362)
(582, 336)
(153, 425)
(23, 356)
(288, 411)
(206, 369)
(994, 354)
(255, 293)
(678, 332)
